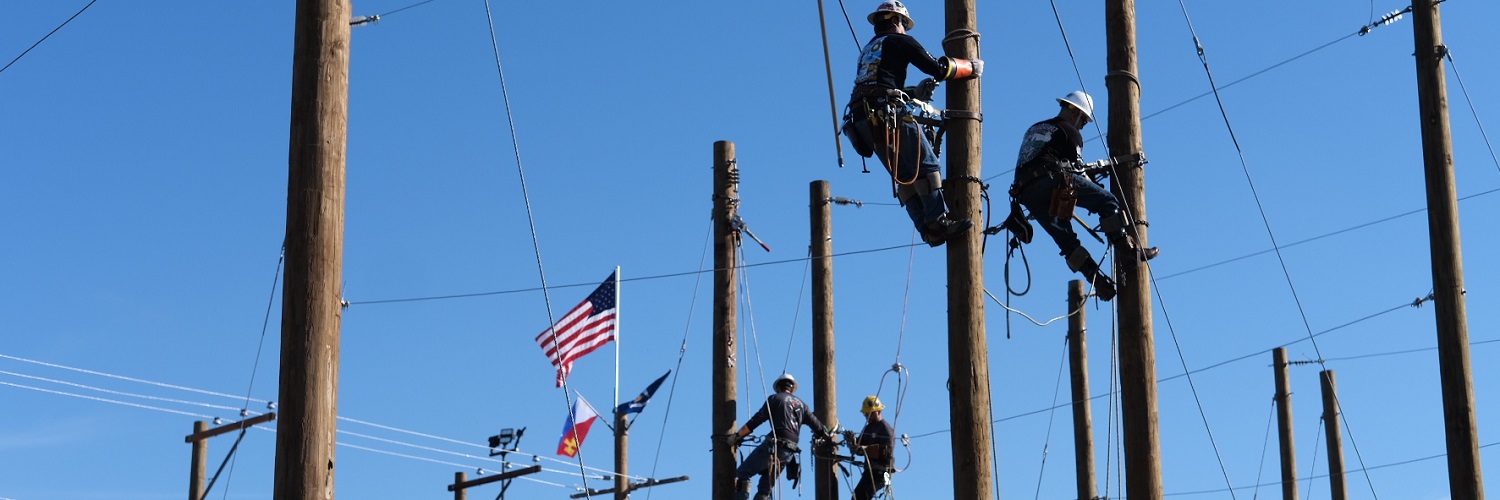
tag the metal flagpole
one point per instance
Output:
(617, 336)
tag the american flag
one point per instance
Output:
(588, 326)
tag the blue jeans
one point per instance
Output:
(914, 153)
(1037, 197)
(874, 479)
(759, 463)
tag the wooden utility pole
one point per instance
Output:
(726, 210)
(825, 394)
(197, 489)
(1284, 425)
(460, 484)
(1461, 430)
(314, 252)
(1078, 363)
(200, 463)
(622, 462)
(1137, 347)
(968, 351)
(1336, 483)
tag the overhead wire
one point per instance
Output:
(253, 413)
(1265, 444)
(254, 368)
(1051, 419)
(898, 247)
(681, 352)
(531, 223)
(1131, 218)
(1448, 53)
(1301, 310)
(1198, 370)
(48, 35)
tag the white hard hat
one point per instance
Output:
(785, 378)
(894, 6)
(1080, 100)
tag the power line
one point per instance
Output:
(48, 35)
(642, 278)
(1318, 237)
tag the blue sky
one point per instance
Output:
(144, 163)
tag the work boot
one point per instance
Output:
(1081, 262)
(1114, 226)
(1104, 288)
(943, 229)
(1127, 249)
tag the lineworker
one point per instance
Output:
(877, 443)
(881, 108)
(1051, 179)
(787, 414)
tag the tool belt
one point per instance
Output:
(783, 444)
(1064, 194)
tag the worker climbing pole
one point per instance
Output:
(1051, 180)
(886, 119)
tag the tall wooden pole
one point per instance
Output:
(968, 351)
(1137, 346)
(1337, 485)
(622, 462)
(1461, 430)
(726, 206)
(459, 478)
(314, 252)
(1289, 455)
(1284, 425)
(199, 470)
(825, 402)
(1078, 364)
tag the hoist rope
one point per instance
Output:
(531, 223)
(1448, 53)
(1028, 316)
(48, 35)
(681, 352)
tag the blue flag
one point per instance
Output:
(639, 403)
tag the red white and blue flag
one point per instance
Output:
(587, 327)
(576, 428)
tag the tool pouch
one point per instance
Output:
(858, 128)
(794, 470)
(1064, 198)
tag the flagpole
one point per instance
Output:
(617, 336)
(621, 481)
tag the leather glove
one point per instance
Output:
(731, 439)
(849, 436)
(978, 67)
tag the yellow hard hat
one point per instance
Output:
(872, 404)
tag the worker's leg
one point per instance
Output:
(1037, 197)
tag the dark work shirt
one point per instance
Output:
(1048, 144)
(787, 414)
(884, 59)
(879, 432)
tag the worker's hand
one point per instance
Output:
(978, 67)
(849, 437)
(732, 439)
